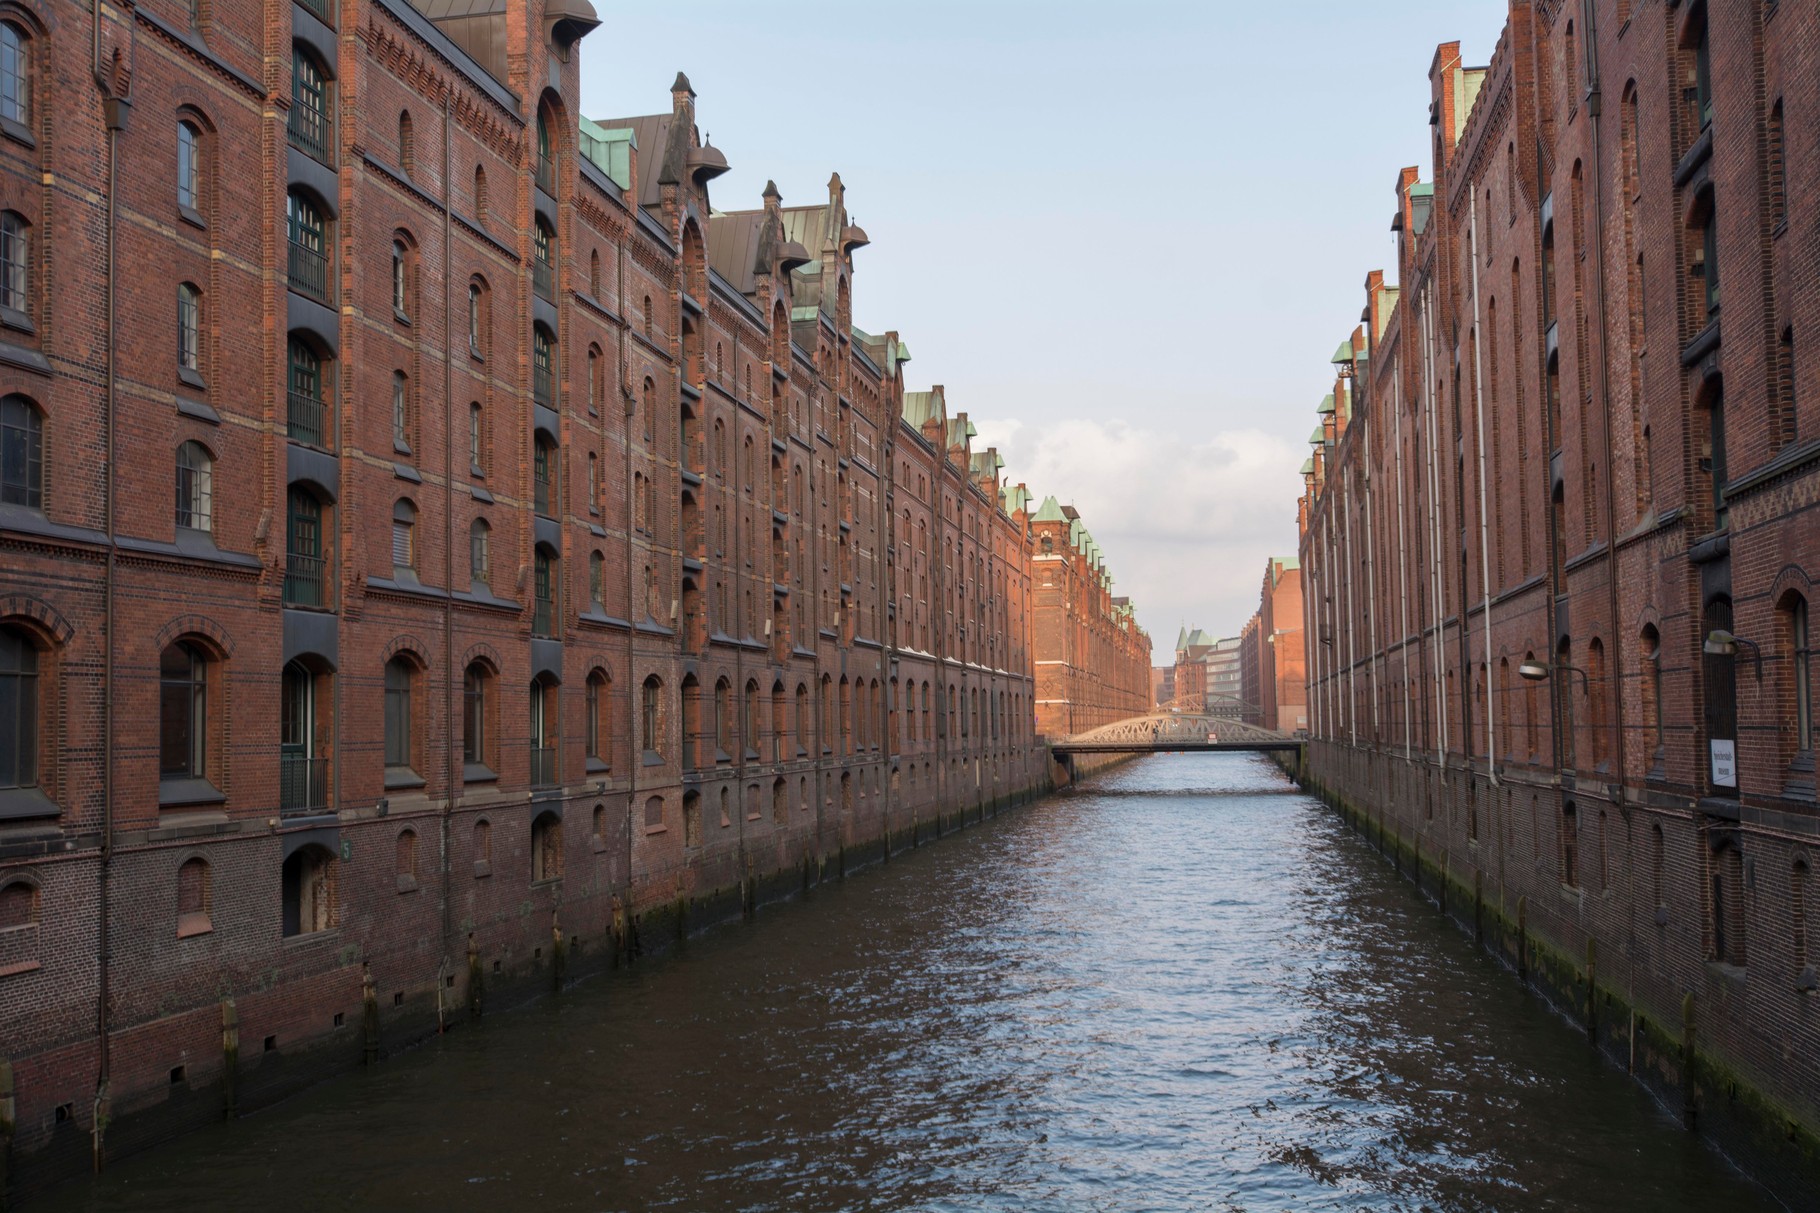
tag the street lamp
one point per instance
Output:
(1721, 643)
(1536, 671)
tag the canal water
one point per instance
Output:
(1181, 986)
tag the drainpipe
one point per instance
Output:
(1371, 583)
(116, 108)
(1593, 110)
(1396, 383)
(448, 515)
(1434, 523)
(1478, 391)
(1352, 653)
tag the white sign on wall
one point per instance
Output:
(1725, 763)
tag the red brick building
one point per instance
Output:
(1558, 537)
(436, 540)
(1274, 665)
(1092, 659)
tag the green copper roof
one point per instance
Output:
(1049, 511)
(1326, 404)
(1318, 437)
(1422, 189)
(1308, 466)
(1344, 353)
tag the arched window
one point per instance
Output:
(648, 410)
(546, 157)
(312, 99)
(651, 716)
(594, 273)
(647, 317)
(307, 406)
(308, 234)
(15, 77)
(476, 721)
(593, 481)
(189, 167)
(404, 537)
(401, 413)
(1795, 611)
(476, 319)
(195, 476)
(596, 727)
(189, 332)
(543, 260)
(543, 367)
(723, 721)
(400, 734)
(1570, 845)
(597, 569)
(748, 724)
(594, 383)
(308, 884)
(401, 279)
(20, 454)
(407, 143)
(19, 709)
(1725, 903)
(195, 898)
(543, 476)
(546, 847)
(476, 439)
(479, 552)
(483, 848)
(404, 860)
(543, 589)
(15, 260)
(802, 720)
(305, 583)
(183, 716)
(544, 731)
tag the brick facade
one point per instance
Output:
(1274, 665)
(553, 555)
(1092, 659)
(1573, 438)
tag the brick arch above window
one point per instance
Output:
(482, 652)
(407, 645)
(21, 607)
(1792, 579)
(196, 627)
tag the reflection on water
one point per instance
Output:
(1181, 987)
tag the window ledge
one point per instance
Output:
(18, 132)
(478, 772)
(407, 884)
(21, 803)
(197, 409)
(597, 767)
(193, 378)
(12, 318)
(23, 966)
(192, 216)
(193, 924)
(653, 759)
(482, 868)
(402, 777)
(188, 791)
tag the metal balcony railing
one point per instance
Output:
(543, 386)
(543, 766)
(308, 131)
(303, 783)
(307, 419)
(309, 272)
(305, 580)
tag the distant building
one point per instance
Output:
(1273, 662)
(1207, 676)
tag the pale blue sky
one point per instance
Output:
(1126, 237)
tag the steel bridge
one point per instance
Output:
(1175, 733)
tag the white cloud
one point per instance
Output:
(1186, 522)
